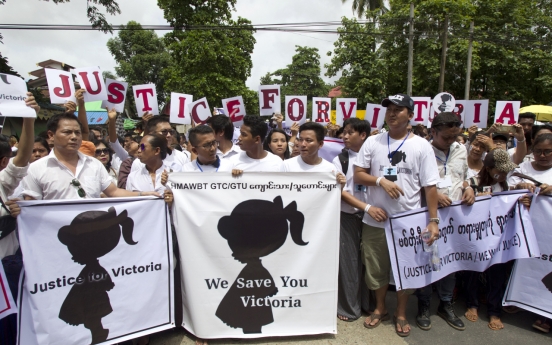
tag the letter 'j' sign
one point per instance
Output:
(90, 78)
(146, 99)
(60, 86)
(180, 104)
(13, 91)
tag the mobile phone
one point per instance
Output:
(505, 129)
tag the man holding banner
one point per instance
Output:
(395, 173)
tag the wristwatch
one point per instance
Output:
(435, 220)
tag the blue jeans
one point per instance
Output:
(444, 288)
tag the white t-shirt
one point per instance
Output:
(416, 168)
(194, 166)
(175, 161)
(527, 158)
(297, 164)
(456, 169)
(234, 150)
(358, 191)
(271, 163)
(526, 168)
(140, 180)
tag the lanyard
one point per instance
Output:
(202, 169)
(390, 155)
(444, 161)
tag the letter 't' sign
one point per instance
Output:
(60, 86)
(269, 100)
(145, 97)
(180, 108)
(116, 95)
(91, 79)
(422, 107)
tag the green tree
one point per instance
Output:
(141, 58)
(363, 6)
(109, 74)
(210, 50)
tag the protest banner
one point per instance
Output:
(321, 109)
(269, 100)
(60, 86)
(116, 95)
(243, 276)
(13, 91)
(96, 270)
(296, 110)
(145, 97)
(7, 305)
(180, 112)
(235, 108)
(375, 114)
(200, 111)
(494, 230)
(344, 109)
(530, 284)
(91, 79)
(507, 112)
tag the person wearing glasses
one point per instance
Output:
(224, 132)
(174, 160)
(66, 173)
(153, 150)
(204, 145)
(104, 154)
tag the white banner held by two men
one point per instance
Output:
(96, 270)
(530, 285)
(243, 276)
(494, 230)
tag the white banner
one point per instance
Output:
(243, 275)
(494, 230)
(96, 270)
(530, 284)
(13, 91)
(7, 305)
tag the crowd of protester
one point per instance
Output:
(445, 164)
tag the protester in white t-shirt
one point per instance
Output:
(395, 167)
(224, 131)
(352, 298)
(253, 157)
(540, 170)
(204, 146)
(153, 150)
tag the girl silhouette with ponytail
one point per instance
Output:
(90, 236)
(256, 228)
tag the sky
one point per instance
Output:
(273, 50)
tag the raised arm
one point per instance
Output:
(26, 142)
(79, 95)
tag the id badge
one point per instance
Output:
(444, 182)
(390, 173)
(360, 188)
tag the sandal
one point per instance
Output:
(377, 317)
(401, 323)
(471, 315)
(542, 326)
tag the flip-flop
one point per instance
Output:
(401, 323)
(495, 329)
(474, 316)
(377, 317)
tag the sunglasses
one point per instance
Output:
(104, 151)
(167, 131)
(142, 147)
(80, 191)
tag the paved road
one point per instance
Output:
(517, 330)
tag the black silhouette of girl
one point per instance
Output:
(547, 281)
(445, 98)
(90, 236)
(255, 229)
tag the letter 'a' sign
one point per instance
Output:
(60, 86)
(269, 100)
(375, 115)
(296, 110)
(507, 112)
(200, 111)
(344, 109)
(91, 79)
(321, 109)
(146, 99)
(235, 108)
(116, 95)
(180, 108)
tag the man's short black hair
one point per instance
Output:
(52, 124)
(5, 148)
(129, 134)
(527, 115)
(152, 123)
(95, 128)
(221, 123)
(445, 120)
(313, 126)
(198, 130)
(358, 125)
(256, 125)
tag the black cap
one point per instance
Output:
(501, 136)
(399, 99)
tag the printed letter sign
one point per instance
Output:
(321, 108)
(476, 113)
(116, 95)
(296, 110)
(146, 99)
(13, 91)
(235, 108)
(200, 111)
(507, 112)
(180, 112)
(90, 78)
(375, 115)
(421, 110)
(60, 86)
(345, 108)
(269, 99)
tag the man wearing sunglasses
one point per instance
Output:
(204, 145)
(66, 173)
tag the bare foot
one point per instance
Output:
(201, 342)
(471, 314)
(495, 324)
(342, 318)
